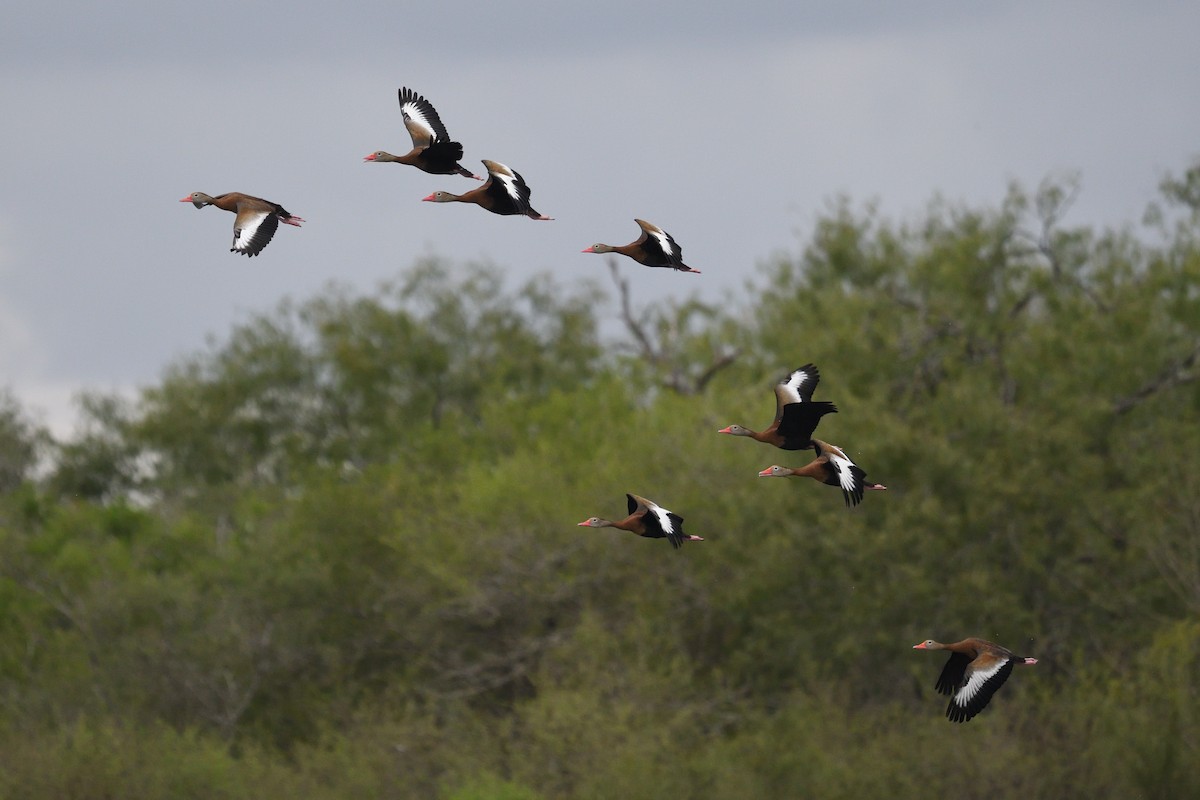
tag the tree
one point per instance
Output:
(22, 443)
(337, 549)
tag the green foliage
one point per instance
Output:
(492, 788)
(335, 554)
(21, 441)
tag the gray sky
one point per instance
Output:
(730, 125)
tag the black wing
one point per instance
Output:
(799, 420)
(652, 522)
(676, 534)
(797, 387)
(425, 111)
(655, 255)
(807, 381)
(952, 674)
(523, 190)
(965, 705)
(504, 202)
(443, 155)
(659, 256)
(854, 495)
(676, 254)
(250, 241)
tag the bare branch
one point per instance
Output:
(716, 366)
(1177, 374)
(1022, 302)
(662, 355)
(631, 323)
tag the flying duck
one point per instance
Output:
(505, 192)
(796, 414)
(831, 467)
(256, 220)
(654, 248)
(647, 519)
(975, 670)
(432, 150)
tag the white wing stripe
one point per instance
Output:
(664, 521)
(975, 681)
(792, 385)
(845, 476)
(242, 237)
(664, 243)
(412, 111)
(510, 185)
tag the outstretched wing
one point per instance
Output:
(674, 533)
(846, 475)
(659, 246)
(796, 388)
(422, 120)
(252, 230)
(660, 523)
(799, 420)
(952, 674)
(977, 688)
(507, 187)
(443, 154)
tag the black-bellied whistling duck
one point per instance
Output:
(505, 192)
(256, 220)
(432, 149)
(832, 467)
(796, 414)
(975, 670)
(647, 519)
(654, 248)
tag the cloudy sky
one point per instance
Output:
(731, 125)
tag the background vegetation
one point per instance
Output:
(334, 555)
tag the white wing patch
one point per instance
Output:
(509, 183)
(413, 114)
(663, 242)
(664, 519)
(976, 679)
(794, 383)
(845, 474)
(246, 231)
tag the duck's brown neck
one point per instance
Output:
(770, 437)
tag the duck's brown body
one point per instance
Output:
(975, 670)
(256, 221)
